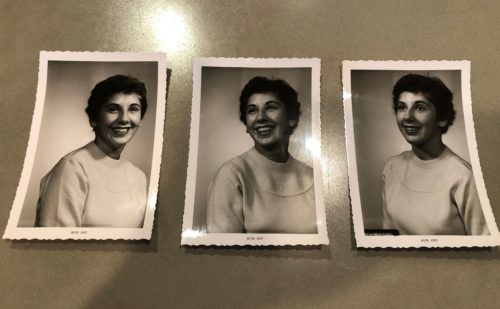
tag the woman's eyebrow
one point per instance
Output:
(418, 101)
(113, 103)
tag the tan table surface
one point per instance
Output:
(161, 273)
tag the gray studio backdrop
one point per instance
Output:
(377, 136)
(223, 136)
(65, 125)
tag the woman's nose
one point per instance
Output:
(262, 115)
(409, 114)
(124, 117)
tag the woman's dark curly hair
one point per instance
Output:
(433, 89)
(111, 86)
(279, 88)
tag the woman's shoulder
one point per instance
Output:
(236, 163)
(74, 158)
(79, 154)
(457, 164)
(303, 172)
(398, 159)
(458, 160)
(70, 164)
(133, 169)
(302, 167)
(238, 166)
(233, 165)
(229, 171)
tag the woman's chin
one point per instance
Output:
(271, 146)
(122, 140)
(112, 145)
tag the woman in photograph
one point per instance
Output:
(428, 190)
(94, 186)
(264, 190)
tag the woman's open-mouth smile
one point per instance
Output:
(411, 129)
(264, 130)
(120, 131)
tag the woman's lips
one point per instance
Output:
(120, 131)
(411, 130)
(264, 130)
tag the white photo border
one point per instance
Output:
(194, 237)
(14, 232)
(415, 241)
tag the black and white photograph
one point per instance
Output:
(254, 173)
(414, 173)
(92, 165)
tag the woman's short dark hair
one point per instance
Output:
(433, 89)
(111, 86)
(279, 88)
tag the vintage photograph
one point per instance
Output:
(92, 164)
(254, 174)
(414, 173)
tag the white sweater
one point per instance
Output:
(253, 194)
(86, 188)
(431, 197)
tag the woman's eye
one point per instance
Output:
(421, 107)
(272, 106)
(111, 109)
(401, 107)
(135, 109)
(251, 110)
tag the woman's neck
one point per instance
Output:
(430, 150)
(276, 154)
(110, 152)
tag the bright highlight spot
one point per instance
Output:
(347, 95)
(171, 30)
(314, 147)
(192, 233)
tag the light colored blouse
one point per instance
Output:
(252, 194)
(86, 188)
(431, 197)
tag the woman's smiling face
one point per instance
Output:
(118, 121)
(417, 119)
(267, 121)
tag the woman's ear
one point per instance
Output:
(292, 123)
(443, 123)
(93, 124)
